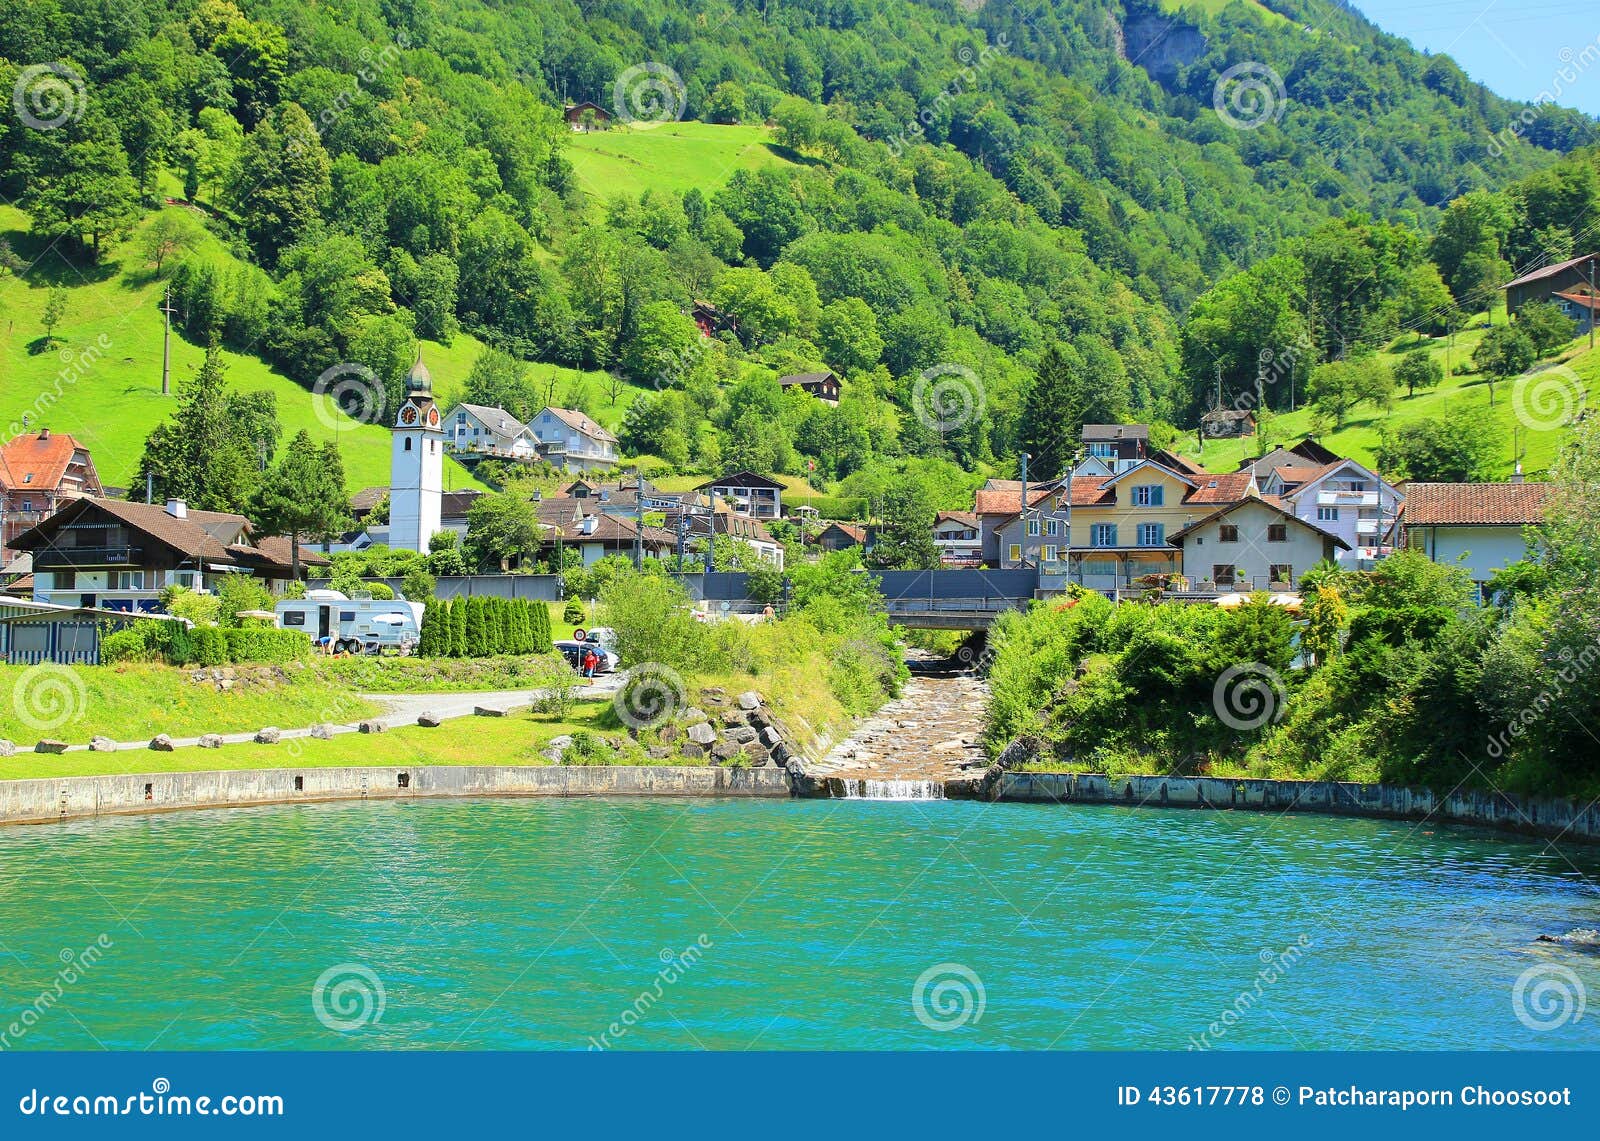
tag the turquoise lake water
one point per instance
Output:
(656, 924)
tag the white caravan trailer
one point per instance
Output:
(353, 625)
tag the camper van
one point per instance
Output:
(353, 625)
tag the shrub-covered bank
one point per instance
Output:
(1394, 675)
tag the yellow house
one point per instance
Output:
(1121, 527)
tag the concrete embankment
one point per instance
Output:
(68, 798)
(1540, 817)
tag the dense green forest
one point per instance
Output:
(966, 188)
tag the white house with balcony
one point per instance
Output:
(1342, 498)
(1254, 544)
(572, 441)
(958, 539)
(472, 429)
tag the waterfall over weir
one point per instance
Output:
(854, 788)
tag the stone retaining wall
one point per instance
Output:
(1491, 809)
(68, 798)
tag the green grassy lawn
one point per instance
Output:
(514, 740)
(1213, 7)
(1359, 437)
(671, 158)
(135, 702)
(113, 400)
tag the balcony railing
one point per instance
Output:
(1347, 499)
(51, 557)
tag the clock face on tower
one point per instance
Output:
(433, 417)
(408, 415)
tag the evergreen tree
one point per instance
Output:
(428, 641)
(302, 495)
(477, 628)
(458, 629)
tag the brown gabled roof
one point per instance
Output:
(968, 518)
(1181, 464)
(808, 377)
(1475, 504)
(578, 422)
(37, 461)
(1547, 271)
(617, 529)
(214, 536)
(858, 534)
(1271, 502)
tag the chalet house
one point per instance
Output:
(1227, 424)
(1580, 306)
(115, 555)
(472, 429)
(1254, 544)
(823, 385)
(710, 320)
(1342, 498)
(1480, 526)
(956, 535)
(570, 440)
(596, 536)
(1538, 285)
(1117, 445)
(39, 472)
(699, 524)
(586, 117)
(748, 493)
(838, 536)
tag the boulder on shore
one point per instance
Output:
(7, 748)
(102, 745)
(50, 745)
(211, 741)
(557, 746)
(371, 726)
(726, 750)
(429, 720)
(742, 734)
(702, 734)
(487, 711)
(749, 700)
(271, 735)
(322, 731)
(161, 743)
(692, 714)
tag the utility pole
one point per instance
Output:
(166, 344)
(1022, 515)
(1591, 302)
(638, 520)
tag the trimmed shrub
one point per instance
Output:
(573, 615)
(539, 619)
(458, 628)
(435, 622)
(210, 646)
(477, 641)
(128, 645)
(266, 644)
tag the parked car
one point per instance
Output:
(573, 650)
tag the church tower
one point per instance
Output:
(416, 465)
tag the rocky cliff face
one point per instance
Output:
(1159, 43)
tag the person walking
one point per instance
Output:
(590, 663)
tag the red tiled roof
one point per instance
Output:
(1007, 502)
(859, 534)
(1475, 504)
(970, 518)
(37, 461)
(1230, 487)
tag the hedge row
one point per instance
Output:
(479, 627)
(177, 645)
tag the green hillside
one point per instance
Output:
(668, 159)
